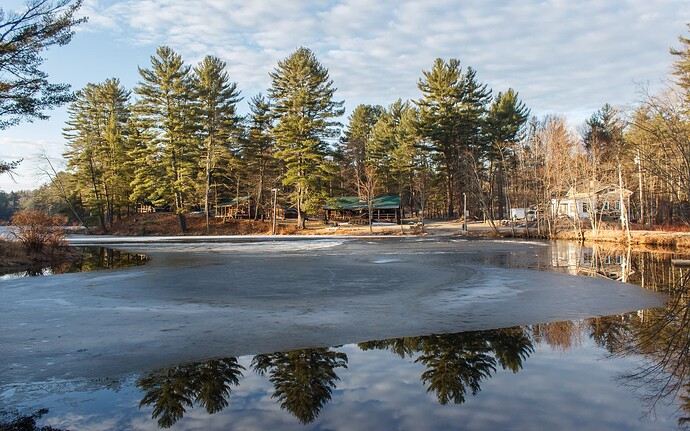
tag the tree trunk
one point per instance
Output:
(183, 222)
(301, 222)
(208, 187)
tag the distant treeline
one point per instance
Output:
(11, 202)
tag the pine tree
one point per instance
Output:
(24, 89)
(302, 102)
(451, 113)
(25, 92)
(165, 112)
(217, 117)
(505, 123)
(258, 149)
(356, 141)
(97, 147)
(681, 67)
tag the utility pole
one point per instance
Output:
(275, 203)
(638, 161)
(464, 212)
(623, 209)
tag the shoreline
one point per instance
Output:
(13, 260)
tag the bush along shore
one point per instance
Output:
(37, 240)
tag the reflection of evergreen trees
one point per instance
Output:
(90, 259)
(14, 421)
(96, 258)
(173, 390)
(456, 363)
(303, 379)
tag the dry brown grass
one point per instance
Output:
(167, 224)
(39, 232)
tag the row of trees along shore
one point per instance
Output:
(178, 138)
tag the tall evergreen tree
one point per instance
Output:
(603, 134)
(505, 123)
(258, 149)
(97, 147)
(217, 117)
(451, 113)
(166, 113)
(302, 102)
(681, 67)
(357, 140)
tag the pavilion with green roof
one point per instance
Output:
(352, 209)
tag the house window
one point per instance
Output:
(585, 207)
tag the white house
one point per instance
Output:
(598, 199)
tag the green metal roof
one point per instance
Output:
(355, 203)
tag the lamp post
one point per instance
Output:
(275, 203)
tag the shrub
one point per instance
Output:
(37, 230)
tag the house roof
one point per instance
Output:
(355, 203)
(597, 189)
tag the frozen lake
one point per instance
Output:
(74, 335)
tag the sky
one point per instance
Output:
(563, 57)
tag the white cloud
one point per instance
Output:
(561, 56)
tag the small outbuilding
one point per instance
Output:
(238, 208)
(354, 210)
(152, 207)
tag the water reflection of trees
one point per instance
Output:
(456, 365)
(661, 336)
(15, 421)
(97, 258)
(303, 379)
(458, 362)
(90, 259)
(173, 390)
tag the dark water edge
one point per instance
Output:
(627, 371)
(91, 259)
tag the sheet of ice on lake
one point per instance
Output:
(200, 300)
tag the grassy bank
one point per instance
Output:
(637, 237)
